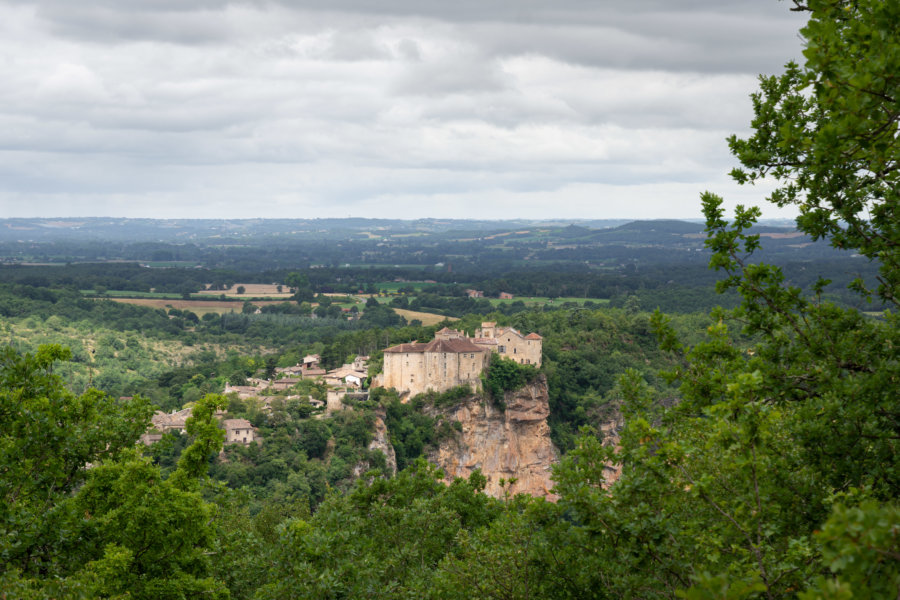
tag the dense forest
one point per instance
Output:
(758, 415)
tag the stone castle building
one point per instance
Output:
(453, 359)
(506, 341)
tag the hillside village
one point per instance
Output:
(450, 360)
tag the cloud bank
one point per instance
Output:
(203, 108)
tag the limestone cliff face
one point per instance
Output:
(514, 443)
(380, 441)
(609, 431)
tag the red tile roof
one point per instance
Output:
(454, 346)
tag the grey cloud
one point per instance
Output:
(364, 106)
(454, 75)
(643, 34)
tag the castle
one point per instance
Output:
(453, 359)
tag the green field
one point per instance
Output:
(132, 294)
(393, 286)
(169, 264)
(534, 300)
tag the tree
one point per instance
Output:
(777, 471)
(359, 544)
(505, 375)
(241, 289)
(827, 131)
(47, 435)
(82, 511)
(299, 285)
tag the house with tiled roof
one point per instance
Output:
(161, 423)
(238, 431)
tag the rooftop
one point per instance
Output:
(453, 346)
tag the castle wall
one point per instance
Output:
(405, 371)
(418, 372)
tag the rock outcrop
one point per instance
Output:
(381, 441)
(609, 431)
(505, 444)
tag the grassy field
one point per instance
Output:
(131, 294)
(537, 300)
(199, 307)
(251, 290)
(393, 286)
(426, 318)
(170, 264)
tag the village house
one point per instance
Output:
(239, 431)
(353, 374)
(162, 423)
(244, 391)
(506, 296)
(475, 293)
(310, 368)
(284, 384)
(295, 371)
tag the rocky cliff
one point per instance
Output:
(504, 444)
(380, 441)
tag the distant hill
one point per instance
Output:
(662, 226)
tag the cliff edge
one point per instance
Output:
(513, 443)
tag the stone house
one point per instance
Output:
(239, 431)
(295, 371)
(244, 391)
(162, 423)
(508, 342)
(311, 361)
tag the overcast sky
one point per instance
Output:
(379, 108)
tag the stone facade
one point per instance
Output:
(453, 359)
(448, 361)
(506, 341)
(238, 431)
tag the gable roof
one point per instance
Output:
(507, 330)
(533, 336)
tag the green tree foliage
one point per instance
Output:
(777, 470)
(827, 131)
(48, 436)
(505, 375)
(82, 510)
(383, 540)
